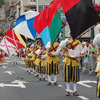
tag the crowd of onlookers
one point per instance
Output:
(88, 56)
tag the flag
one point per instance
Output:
(10, 43)
(48, 23)
(45, 35)
(50, 33)
(21, 38)
(8, 47)
(41, 20)
(55, 27)
(80, 14)
(24, 24)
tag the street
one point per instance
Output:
(17, 84)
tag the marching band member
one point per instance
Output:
(27, 60)
(98, 74)
(32, 59)
(96, 41)
(38, 53)
(42, 67)
(71, 68)
(52, 60)
(2, 58)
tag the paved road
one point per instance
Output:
(17, 84)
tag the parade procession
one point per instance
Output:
(51, 52)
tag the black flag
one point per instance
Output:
(81, 16)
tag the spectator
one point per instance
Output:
(92, 56)
(84, 54)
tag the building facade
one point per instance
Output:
(13, 8)
(36, 5)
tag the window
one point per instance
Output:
(33, 0)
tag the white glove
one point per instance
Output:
(56, 52)
(63, 43)
(30, 54)
(43, 56)
(48, 46)
(76, 52)
(38, 52)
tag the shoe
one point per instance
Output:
(75, 93)
(21, 78)
(26, 70)
(55, 83)
(43, 79)
(49, 84)
(36, 75)
(40, 79)
(68, 94)
(29, 72)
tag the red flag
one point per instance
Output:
(12, 38)
(41, 20)
(81, 16)
(68, 4)
(55, 5)
(10, 43)
(45, 17)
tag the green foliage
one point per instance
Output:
(1, 2)
(2, 34)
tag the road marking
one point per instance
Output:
(87, 81)
(21, 83)
(16, 83)
(4, 67)
(83, 98)
(81, 83)
(9, 72)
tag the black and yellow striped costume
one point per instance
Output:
(40, 63)
(32, 59)
(71, 68)
(27, 58)
(98, 79)
(42, 66)
(36, 61)
(52, 61)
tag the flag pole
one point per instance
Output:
(84, 32)
(26, 46)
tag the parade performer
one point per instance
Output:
(98, 74)
(32, 59)
(35, 67)
(96, 41)
(71, 68)
(38, 58)
(52, 60)
(42, 66)
(27, 60)
(2, 58)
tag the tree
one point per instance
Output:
(1, 3)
